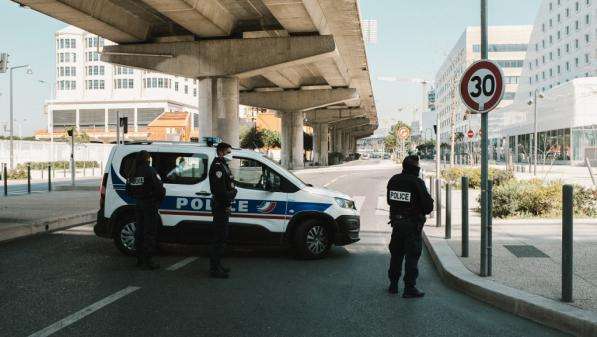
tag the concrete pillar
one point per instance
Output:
(218, 109)
(320, 143)
(292, 140)
(226, 119)
(338, 141)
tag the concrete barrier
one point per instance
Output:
(20, 230)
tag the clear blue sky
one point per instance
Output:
(413, 37)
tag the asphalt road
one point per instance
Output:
(75, 284)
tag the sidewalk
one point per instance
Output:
(526, 257)
(37, 213)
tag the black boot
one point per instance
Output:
(225, 269)
(393, 288)
(412, 292)
(218, 273)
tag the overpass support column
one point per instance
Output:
(218, 109)
(320, 143)
(292, 140)
(338, 141)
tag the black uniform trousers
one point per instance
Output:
(219, 235)
(406, 243)
(147, 221)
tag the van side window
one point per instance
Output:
(129, 160)
(254, 175)
(181, 168)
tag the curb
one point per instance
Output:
(50, 225)
(542, 310)
(61, 188)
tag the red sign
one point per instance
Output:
(470, 133)
(482, 86)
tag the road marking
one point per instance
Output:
(382, 206)
(181, 263)
(83, 312)
(334, 180)
(359, 200)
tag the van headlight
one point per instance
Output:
(345, 203)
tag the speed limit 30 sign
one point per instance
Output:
(482, 86)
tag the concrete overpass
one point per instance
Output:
(304, 58)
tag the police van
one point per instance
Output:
(272, 206)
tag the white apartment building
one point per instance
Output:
(507, 46)
(561, 66)
(89, 93)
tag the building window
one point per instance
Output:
(577, 6)
(559, 52)
(543, 44)
(186, 89)
(496, 48)
(587, 19)
(567, 12)
(577, 25)
(195, 92)
(175, 86)
(559, 35)
(587, 59)
(550, 23)
(95, 84)
(567, 30)
(551, 6)
(567, 66)
(559, 18)
(543, 27)
(543, 59)
(550, 39)
(124, 83)
(576, 44)
(559, 69)
(576, 62)
(567, 47)
(550, 72)
(587, 38)
(551, 56)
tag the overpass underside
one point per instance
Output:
(305, 59)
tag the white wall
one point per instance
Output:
(31, 151)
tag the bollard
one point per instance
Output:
(28, 178)
(49, 177)
(5, 175)
(448, 211)
(464, 190)
(489, 225)
(567, 242)
(438, 194)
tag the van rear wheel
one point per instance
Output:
(312, 239)
(124, 238)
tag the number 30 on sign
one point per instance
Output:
(482, 86)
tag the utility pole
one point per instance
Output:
(484, 160)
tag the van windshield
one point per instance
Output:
(278, 167)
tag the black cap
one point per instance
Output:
(221, 147)
(411, 161)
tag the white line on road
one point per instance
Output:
(359, 200)
(334, 180)
(382, 206)
(181, 263)
(84, 312)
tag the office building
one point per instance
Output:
(507, 46)
(560, 68)
(89, 93)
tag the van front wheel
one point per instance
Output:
(124, 238)
(312, 239)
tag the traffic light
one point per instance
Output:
(124, 122)
(3, 62)
(435, 129)
(69, 132)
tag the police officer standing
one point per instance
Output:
(409, 203)
(221, 183)
(144, 185)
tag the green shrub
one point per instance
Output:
(538, 198)
(585, 201)
(58, 165)
(453, 176)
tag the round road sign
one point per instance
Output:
(482, 86)
(403, 133)
(470, 134)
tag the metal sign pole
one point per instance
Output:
(484, 136)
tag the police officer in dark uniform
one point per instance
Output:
(409, 203)
(221, 183)
(144, 185)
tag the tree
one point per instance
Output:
(271, 139)
(251, 139)
(390, 140)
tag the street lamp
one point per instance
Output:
(50, 118)
(29, 72)
(534, 102)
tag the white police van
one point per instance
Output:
(273, 206)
